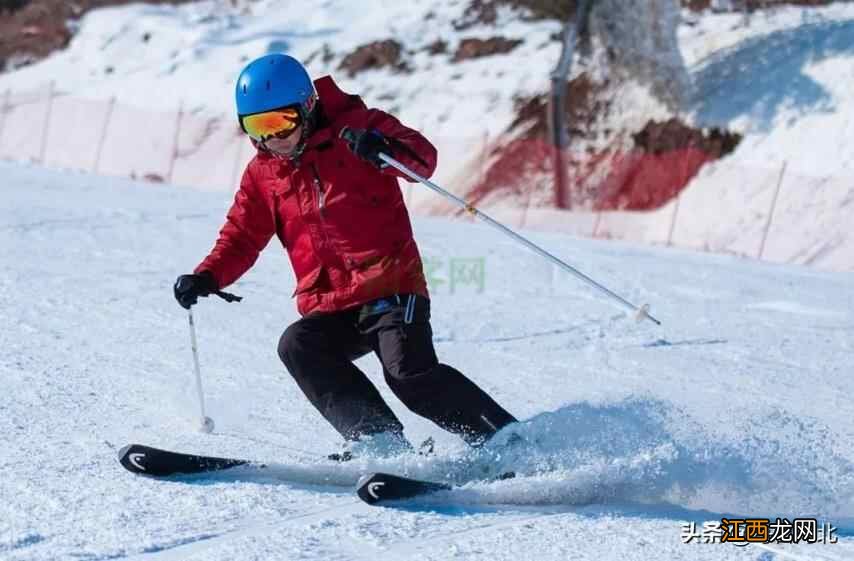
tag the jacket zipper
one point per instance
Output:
(318, 190)
(321, 201)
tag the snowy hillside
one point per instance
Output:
(153, 56)
(781, 79)
(738, 404)
(406, 57)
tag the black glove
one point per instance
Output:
(188, 288)
(368, 145)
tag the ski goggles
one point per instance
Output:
(279, 123)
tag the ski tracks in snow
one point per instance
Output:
(204, 545)
(190, 548)
(251, 528)
(406, 548)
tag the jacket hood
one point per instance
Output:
(333, 100)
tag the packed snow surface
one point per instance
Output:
(738, 404)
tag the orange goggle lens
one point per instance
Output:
(279, 123)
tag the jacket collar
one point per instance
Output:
(333, 103)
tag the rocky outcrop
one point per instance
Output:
(371, 56)
(750, 5)
(478, 48)
(661, 137)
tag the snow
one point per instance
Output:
(738, 404)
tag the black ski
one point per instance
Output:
(377, 487)
(146, 460)
(372, 488)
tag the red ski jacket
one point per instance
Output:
(342, 221)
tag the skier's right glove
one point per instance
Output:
(188, 288)
(367, 145)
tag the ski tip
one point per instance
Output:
(375, 487)
(131, 459)
(147, 460)
(368, 486)
(124, 450)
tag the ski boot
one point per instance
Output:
(377, 445)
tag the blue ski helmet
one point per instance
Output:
(272, 82)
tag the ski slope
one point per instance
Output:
(739, 404)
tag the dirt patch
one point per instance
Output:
(30, 30)
(754, 5)
(485, 12)
(585, 100)
(437, 47)
(325, 54)
(658, 138)
(696, 5)
(479, 48)
(371, 56)
(561, 10)
(478, 12)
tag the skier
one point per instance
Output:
(337, 209)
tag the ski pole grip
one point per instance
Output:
(348, 135)
(228, 297)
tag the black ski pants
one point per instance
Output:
(319, 348)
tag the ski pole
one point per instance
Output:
(206, 424)
(641, 312)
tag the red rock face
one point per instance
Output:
(604, 180)
(607, 168)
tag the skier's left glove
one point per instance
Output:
(368, 145)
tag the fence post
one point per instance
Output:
(595, 233)
(46, 127)
(673, 219)
(484, 157)
(771, 212)
(684, 181)
(3, 109)
(107, 117)
(175, 140)
(524, 218)
(235, 171)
